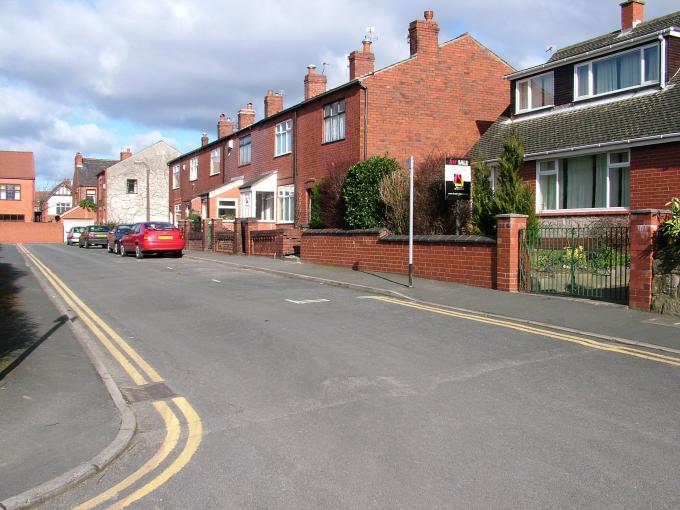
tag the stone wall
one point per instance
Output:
(666, 287)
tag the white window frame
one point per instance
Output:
(193, 169)
(335, 124)
(285, 194)
(267, 214)
(127, 186)
(175, 177)
(283, 138)
(92, 195)
(591, 84)
(215, 159)
(558, 184)
(245, 147)
(227, 203)
(528, 80)
(16, 189)
(62, 207)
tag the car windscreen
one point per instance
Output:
(99, 228)
(124, 228)
(80, 230)
(160, 226)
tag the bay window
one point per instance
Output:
(598, 181)
(286, 203)
(633, 68)
(226, 208)
(264, 205)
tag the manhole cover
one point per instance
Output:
(151, 391)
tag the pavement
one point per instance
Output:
(63, 419)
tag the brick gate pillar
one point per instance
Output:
(643, 226)
(507, 250)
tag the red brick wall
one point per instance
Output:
(17, 232)
(467, 263)
(654, 175)
(436, 101)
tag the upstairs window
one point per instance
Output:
(334, 121)
(91, 194)
(634, 68)
(244, 150)
(193, 169)
(535, 92)
(215, 161)
(10, 191)
(131, 186)
(283, 137)
(175, 177)
(62, 207)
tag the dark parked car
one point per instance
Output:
(94, 235)
(152, 237)
(113, 237)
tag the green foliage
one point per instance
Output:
(669, 232)
(394, 192)
(195, 220)
(361, 192)
(512, 194)
(88, 204)
(483, 217)
(315, 220)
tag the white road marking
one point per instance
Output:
(216, 281)
(170, 267)
(307, 301)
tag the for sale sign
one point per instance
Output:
(457, 177)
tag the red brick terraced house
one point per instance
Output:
(600, 122)
(440, 99)
(17, 185)
(85, 174)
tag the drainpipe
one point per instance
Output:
(295, 186)
(662, 71)
(365, 89)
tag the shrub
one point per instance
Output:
(315, 220)
(88, 204)
(361, 192)
(394, 192)
(433, 213)
(669, 233)
(483, 216)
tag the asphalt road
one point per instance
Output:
(312, 396)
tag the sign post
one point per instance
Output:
(410, 221)
(457, 182)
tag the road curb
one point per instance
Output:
(128, 421)
(393, 293)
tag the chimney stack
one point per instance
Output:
(125, 154)
(246, 116)
(632, 13)
(204, 139)
(423, 36)
(361, 62)
(225, 126)
(79, 160)
(315, 84)
(273, 103)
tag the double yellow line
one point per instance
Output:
(141, 373)
(586, 342)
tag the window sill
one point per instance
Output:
(284, 154)
(213, 175)
(585, 212)
(281, 222)
(244, 164)
(627, 90)
(334, 141)
(532, 110)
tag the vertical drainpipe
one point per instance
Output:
(662, 70)
(365, 89)
(295, 185)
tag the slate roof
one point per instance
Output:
(648, 115)
(87, 174)
(602, 41)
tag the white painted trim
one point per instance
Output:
(529, 108)
(604, 147)
(226, 187)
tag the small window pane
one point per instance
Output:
(651, 63)
(618, 157)
(582, 78)
(548, 192)
(523, 95)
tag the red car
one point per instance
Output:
(152, 237)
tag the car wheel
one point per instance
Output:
(87, 245)
(123, 253)
(116, 248)
(138, 252)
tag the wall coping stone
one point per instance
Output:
(341, 232)
(650, 211)
(439, 239)
(512, 215)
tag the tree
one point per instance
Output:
(361, 192)
(483, 216)
(513, 195)
(394, 191)
(88, 204)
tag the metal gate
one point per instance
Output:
(590, 262)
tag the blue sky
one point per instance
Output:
(98, 76)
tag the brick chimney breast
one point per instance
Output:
(632, 13)
(315, 84)
(246, 116)
(361, 62)
(273, 103)
(423, 35)
(225, 126)
(204, 139)
(127, 153)
(79, 160)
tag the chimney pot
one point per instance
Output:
(79, 160)
(273, 103)
(315, 84)
(361, 62)
(424, 35)
(204, 139)
(225, 126)
(429, 15)
(246, 116)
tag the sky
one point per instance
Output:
(97, 76)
